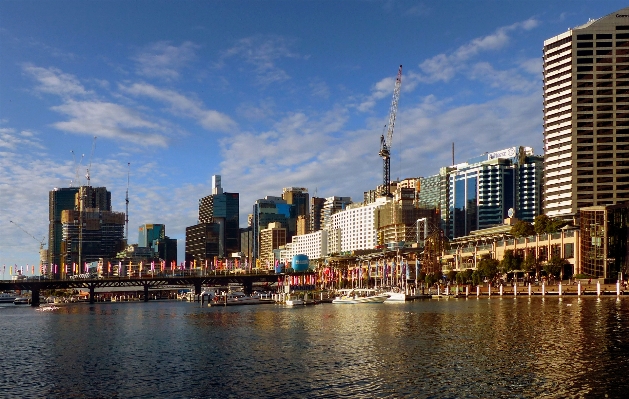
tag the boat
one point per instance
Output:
(360, 296)
(295, 302)
(21, 301)
(395, 295)
(235, 298)
(47, 308)
(7, 297)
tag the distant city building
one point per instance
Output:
(268, 210)
(314, 245)
(316, 214)
(153, 236)
(202, 242)
(331, 206)
(147, 233)
(89, 235)
(59, 200)
(586, 116)
(271, 238)
(222, 209)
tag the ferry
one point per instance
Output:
(6, 297)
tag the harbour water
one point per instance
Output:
(456, 348)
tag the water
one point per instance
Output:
(458, 348)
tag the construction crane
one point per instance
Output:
(87, 174)
(127, 203)
(41, 243)
(385, 143)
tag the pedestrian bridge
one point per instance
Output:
(148, 282)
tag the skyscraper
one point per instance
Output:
(586, 116)
(59, 200)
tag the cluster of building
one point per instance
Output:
(456, 216)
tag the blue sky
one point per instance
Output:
(268, 94)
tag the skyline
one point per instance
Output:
(266, 94)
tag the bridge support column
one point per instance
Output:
(35, 297)
(197, 288)
(92, 286)
(248, 287)
(146, 293)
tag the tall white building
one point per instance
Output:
(357, 227)
(586, 116)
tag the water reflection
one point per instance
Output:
(499, 347)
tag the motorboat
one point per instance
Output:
(235, 298)
(357, 295)
(295, 302)
(21, 301)
(6, 297)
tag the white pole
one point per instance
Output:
(560, 288)
(530, 289)
(477, 291)
(578, 288)
(617, 288)
(543, 290)
(598, 288)
(515, 288)
(467, 291)
(489, 290)
(500, 289)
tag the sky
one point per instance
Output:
(268, 94)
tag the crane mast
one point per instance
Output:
(127, 205)
(385, 143)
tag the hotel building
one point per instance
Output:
(586, 116)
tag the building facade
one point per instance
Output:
(357, 225)
(586, 116)
(59, 200)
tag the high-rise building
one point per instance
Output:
(333, 205)
(316, 213)
(271, 238)
(268, 210)
(586, 116)
(147, 233)
(482, 190)
(59, 200)
(221, 208)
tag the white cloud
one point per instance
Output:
(53, 81)
(113, 121)
(9, 140)
(183, 106)
(263, 53)
(444, 67)
(164, 60)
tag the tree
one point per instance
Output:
(522, 228)
(555, 265)
(451, 275)
(488, 267)
(540, 223)
(530, 263)
(476, 277)
(510, 261)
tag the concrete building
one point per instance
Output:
(586, 116)
(316, 214)
(268, 210)
(314, 245)
(331, 206)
